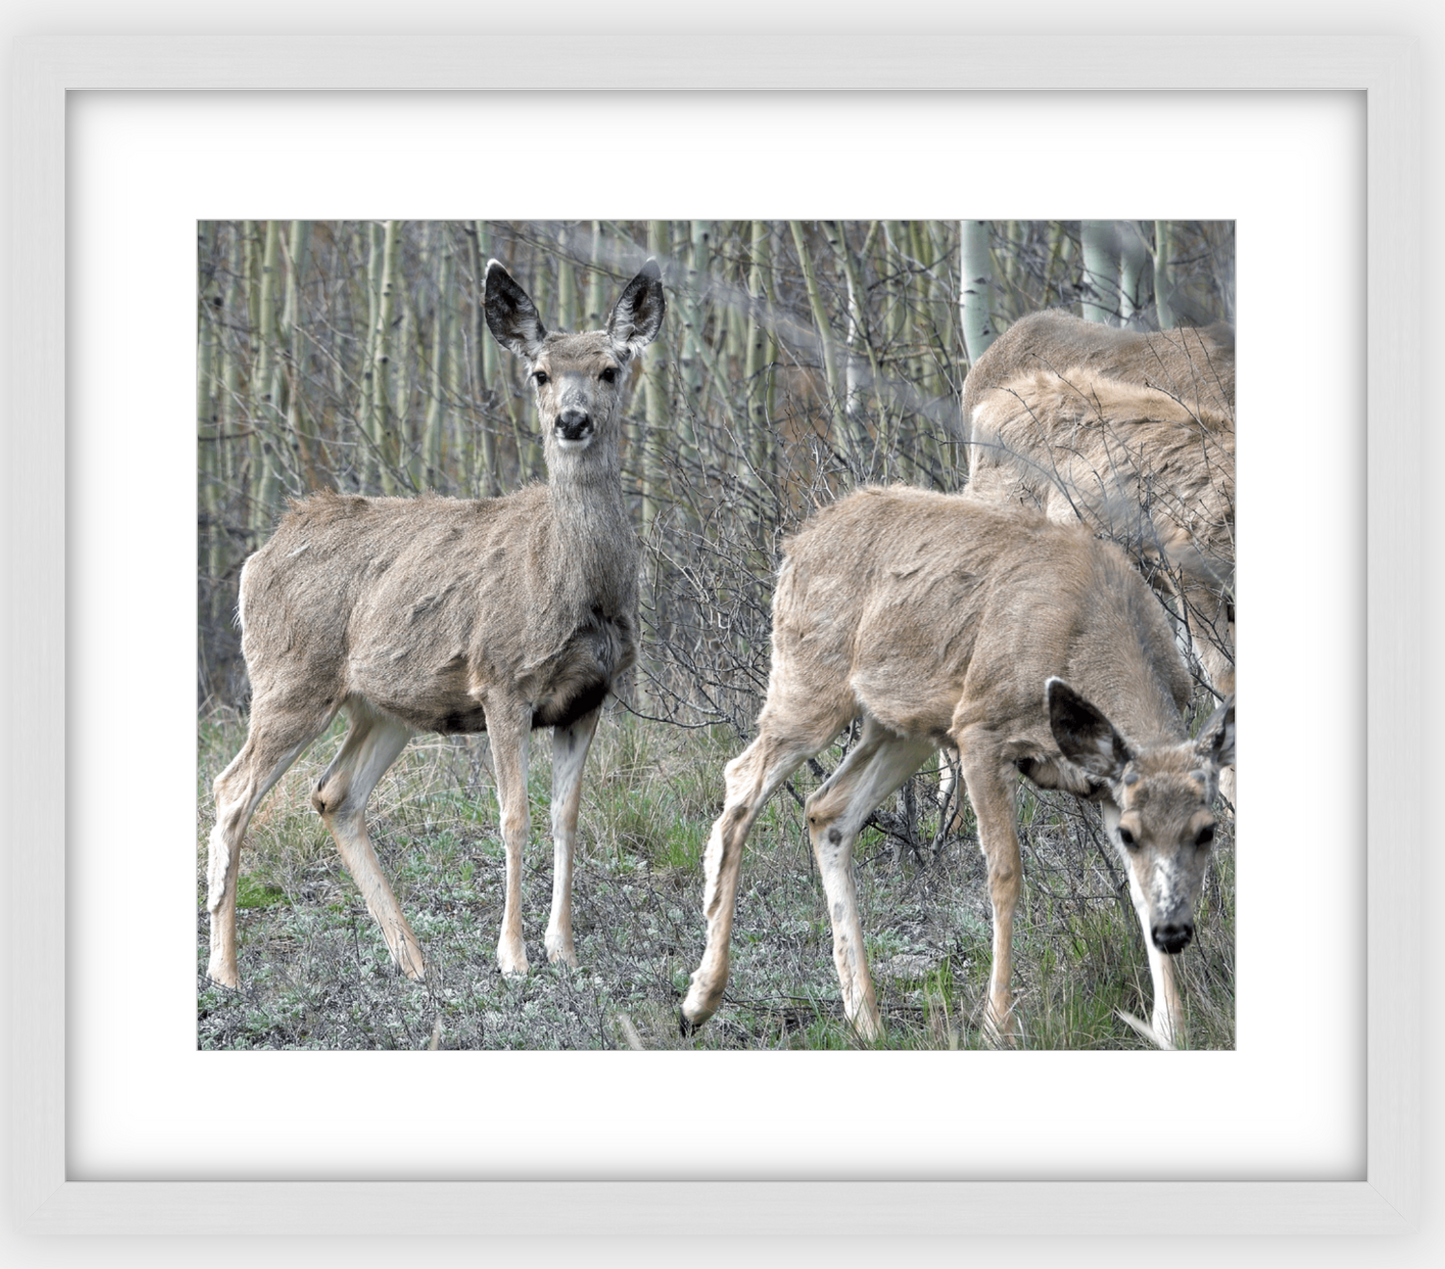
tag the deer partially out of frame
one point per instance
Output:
(1131, 432)
(1030, 647)
(435, 614)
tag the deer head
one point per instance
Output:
(578, 378)
(1157, 812)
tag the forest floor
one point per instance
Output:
(316, 973)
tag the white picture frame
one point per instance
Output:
(1385, 1200)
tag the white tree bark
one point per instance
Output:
(976, 288)
(1100, 274)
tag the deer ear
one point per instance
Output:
(1084, 736)
(638, 315)
(1215, 742)
(511, 315)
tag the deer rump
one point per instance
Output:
(395, 633)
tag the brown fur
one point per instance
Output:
(1133, 433)
(1193, 365)
(1027, 645)
(437, 614)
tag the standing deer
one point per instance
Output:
(1133, 433)
(435, 614)
(1029, 646)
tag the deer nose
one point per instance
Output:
(1172, 937)
(573, 424)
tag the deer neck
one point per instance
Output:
(592, 542)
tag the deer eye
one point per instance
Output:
(1205, 837)
(609, 375)
(541, 377)
(1126, 837)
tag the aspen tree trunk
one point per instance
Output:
(530, 465)
(855, 372)
(249, 232)
(976, 288)
(596, 292)
(1059, 247)
(1014, 232)
(924, 380)
(897, 315)
(1100, 275)
(208, 433)
(945, 324)
(1134, 275)
(1163, 281)
(656, 411)
(298, 420)
(455, 457)
(368, 457)
(402, 361)
(231, 365)
(265, 416)
(862, 351)
(567, 310)
(383, 432)
(248, 465)
(758, 375)
(695, 351)
(484, 359)
(834, 391)
(429, 466)
(205, 334)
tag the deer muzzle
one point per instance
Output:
(574, 425)
(1172, 936)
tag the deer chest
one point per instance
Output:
(578, 679)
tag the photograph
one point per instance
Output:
(715, 634)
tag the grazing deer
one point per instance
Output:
(1029, 646)
(436, 614)
(1133, 433)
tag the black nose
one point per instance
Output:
(1173, 937)
(574, 424)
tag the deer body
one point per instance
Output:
(1028, 646)
(438, 614)
(1130, 432)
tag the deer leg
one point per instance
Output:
(992, 796)
(372, 744)
(509, 724)
(836, 812)
(275, 738)
(569, 756)
(752, 777)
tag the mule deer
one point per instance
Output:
(436, 614)
(1030, 647)
(1131, 432)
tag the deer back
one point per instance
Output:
(936, 613)
(412, 603)
(1193, 365)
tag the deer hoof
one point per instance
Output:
(224, 977)
(512, 963)
(563, 954)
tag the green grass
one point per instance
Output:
(316, 974)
